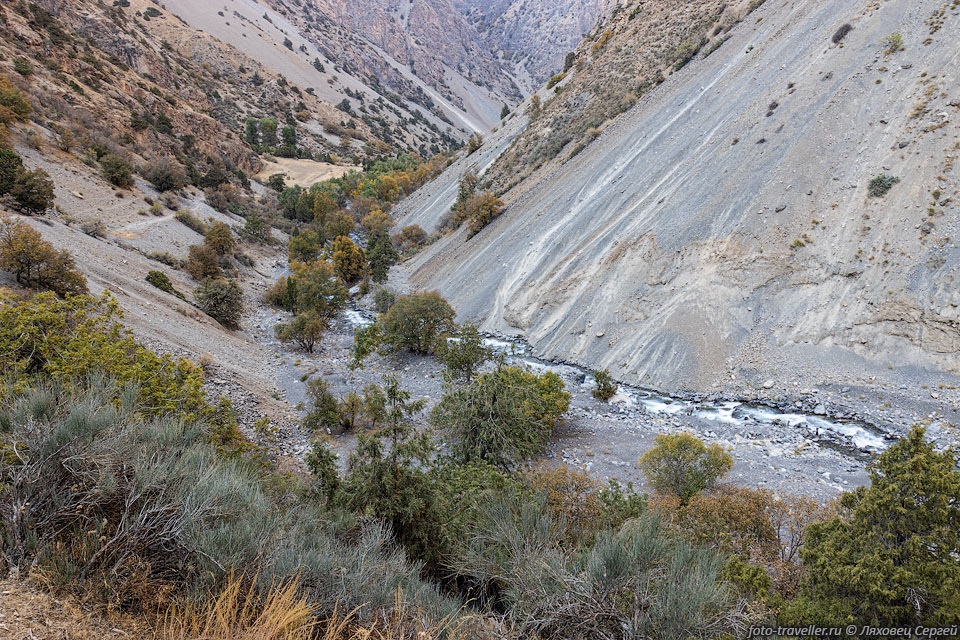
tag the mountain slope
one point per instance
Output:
(721, 231)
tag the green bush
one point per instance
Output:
(502, 417)
(116, 170)
(305, 330)
(202, 262)
(880, 185)
(33, 191)
(415, 322)
(464, 354)
(11, 166)
(684, 466)
(891, 556)
(162, 281)
(383, 299)
(222, 300)
(606, 385)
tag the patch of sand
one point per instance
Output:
(303, 173)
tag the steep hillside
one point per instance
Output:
(722, 231)
(533, 36)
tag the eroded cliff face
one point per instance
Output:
(722, 231)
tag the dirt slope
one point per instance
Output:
(720, 233)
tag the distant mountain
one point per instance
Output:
(532, 36)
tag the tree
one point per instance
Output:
(383, 299)
(268, 132)
(416, 321)
(322, 462)
(305, 330)
(116, 170)
(504, 112)
(389, 477)
(11, 166)
(502, 417)
(34, 262)
(474, 143)
(324, 412)
(222, 300)
(348, 261)
(202, 262)
(339, 224)
(33, 191)
(306, 245)
(289, 137)
(410, 237)
(381, 255)
(376, 222)
(892, 557)
(465, 354)
(318, 289)
(13, 104)
(220, 238)
(569, 61)
(683, 465)
(252, 133)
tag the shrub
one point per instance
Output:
(192, 222)
(684, 466)
(555, 80)
(410, 237)
(277, 182)
(890, 557)
(893, 42)
(220, 238)
(116, 170)
(636, 581)
(162, 281)
(33, 191)
(324, 411)
(11, 166)
(305, 330)
(222, 300)
(376, 222)
(606, 385)
(481, 209)
(383, 299)
(255, 229)
(22, 66)
(465, 354)
(202, 262)
(13, 104)
(339, 224)
(502, 417)
(35, 262)
(415, 322)
(348, 260)
(880, 185)
(165, 175)
(474, 143)
(841, 33)
(94, 228)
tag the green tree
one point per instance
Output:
(415, 322)
(33, 191)
(268, 132)
(389, 476)
(322, 462)
(277, 182)
(222, 300)
(504, 112)
(289, 137)
(318, 289)
(252, 133)
(11, 166)
(305, 330)
(683, 465)
(502, 417)
(305, 245)
(381, 255)
(892, 557)
(465, 354)
(324, 411)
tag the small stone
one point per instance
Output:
(768, 384)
